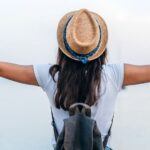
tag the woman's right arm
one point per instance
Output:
(19, 73)
(136, 74)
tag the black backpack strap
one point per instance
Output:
(54, 126)
(108, 135)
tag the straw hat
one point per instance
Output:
(82, 35)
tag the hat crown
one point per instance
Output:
(82, 32)
(82, 35)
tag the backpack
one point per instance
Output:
(80, 131)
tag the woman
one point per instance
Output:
(81, 73)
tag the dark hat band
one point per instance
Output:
(82, 57)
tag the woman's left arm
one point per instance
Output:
(136, 74)
(19, 73)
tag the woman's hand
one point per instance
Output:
(19, 73)
(136, 74)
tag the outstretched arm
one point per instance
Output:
(136, 74)
(18, 73)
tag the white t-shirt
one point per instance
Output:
(111, 83)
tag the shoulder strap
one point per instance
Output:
(54, 126)
(108, 135)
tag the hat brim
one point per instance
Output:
(104, 35)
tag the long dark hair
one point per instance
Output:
(77, 82)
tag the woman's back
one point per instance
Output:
(111, 83)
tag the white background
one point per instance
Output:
(28, 36)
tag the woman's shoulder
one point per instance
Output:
(42, 74)
(112, 66)
(114, 72)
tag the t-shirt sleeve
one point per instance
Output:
(116, 73)
(42, 75)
